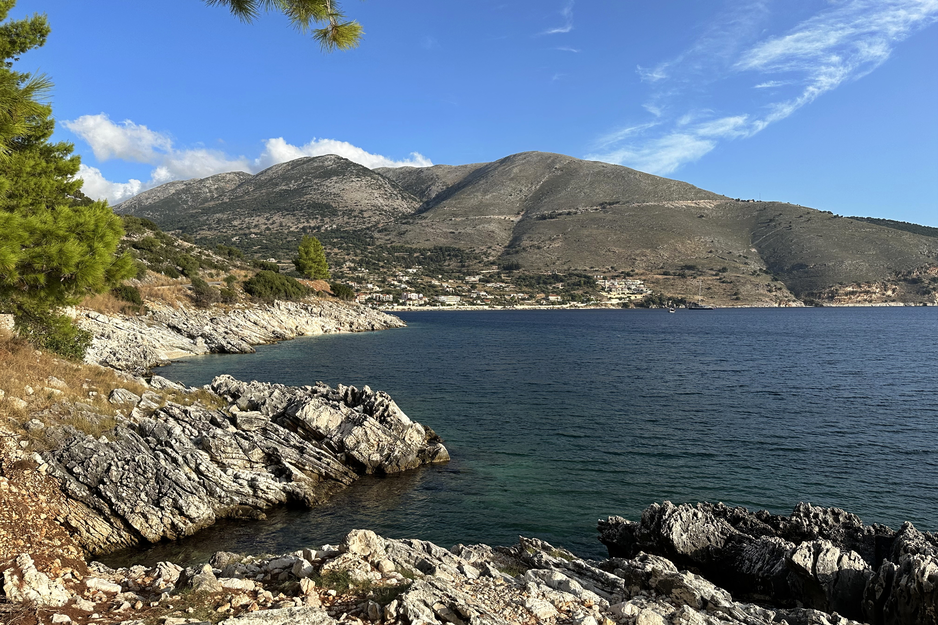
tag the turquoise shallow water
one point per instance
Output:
(557, 418)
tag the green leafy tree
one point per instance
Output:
(311, 260)
(336, 33)
(56, 245)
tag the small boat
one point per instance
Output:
(671, 309)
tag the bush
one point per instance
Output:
(127, 293)
(146, 244)
(266, 265)
(55, 333)
(204, 294)
(228, 295)
(342, 291)
(188, 266)
(267, 285)
(138, 225)
(226, 251)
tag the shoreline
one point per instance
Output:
(396, 309)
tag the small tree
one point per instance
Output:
(311, 259)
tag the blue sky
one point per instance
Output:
(829, 104)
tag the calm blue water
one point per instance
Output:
(557, 418)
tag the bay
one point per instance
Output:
(557, 418)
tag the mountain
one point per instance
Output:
(553, 213)
(324, 192)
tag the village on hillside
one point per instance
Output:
(412, 287)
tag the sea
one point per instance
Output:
(557, 418)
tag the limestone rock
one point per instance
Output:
(171, 470)
(821, 559)
(23, 583)
(285, 616)
(137, 344)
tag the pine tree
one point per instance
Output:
(311, 259)
(56, 246)
(336, 34)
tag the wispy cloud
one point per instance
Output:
(567, 49)
(567, 14)
(771, 84)
(128, 141)
(841, 43)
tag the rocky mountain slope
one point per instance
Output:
(553, 213)
(308, 193)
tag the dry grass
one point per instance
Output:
(108, 304)
(174, 294)
(27, 374)
(49, 386)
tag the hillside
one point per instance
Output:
(542, 213)
(318, 193)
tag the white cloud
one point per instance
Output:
(197, 163)
(621, 134)
(132, 142)
(279, 151)
(125, 141)
(97, 187)
(662, 155)
(771, 84)
(567, 14)
(843, 42)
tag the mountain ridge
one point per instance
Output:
(547, 212)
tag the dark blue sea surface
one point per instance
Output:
(557, 418)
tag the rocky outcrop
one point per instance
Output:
(137, 344)
(368, 578)
(167, 469)
(818, 558)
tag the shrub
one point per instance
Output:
(188, 266)
(138, 225)
(127, 293)
(342, 291)
(226, 251)
(55, 333)
(146, 244)
(228, 295)
(266, 265)
(267, 285)
(204, 294)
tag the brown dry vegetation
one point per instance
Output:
(47, 383)
(26, 373)
(108, 304)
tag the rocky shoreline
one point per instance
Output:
(370, 579)
(164, 470)
(137, 344)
